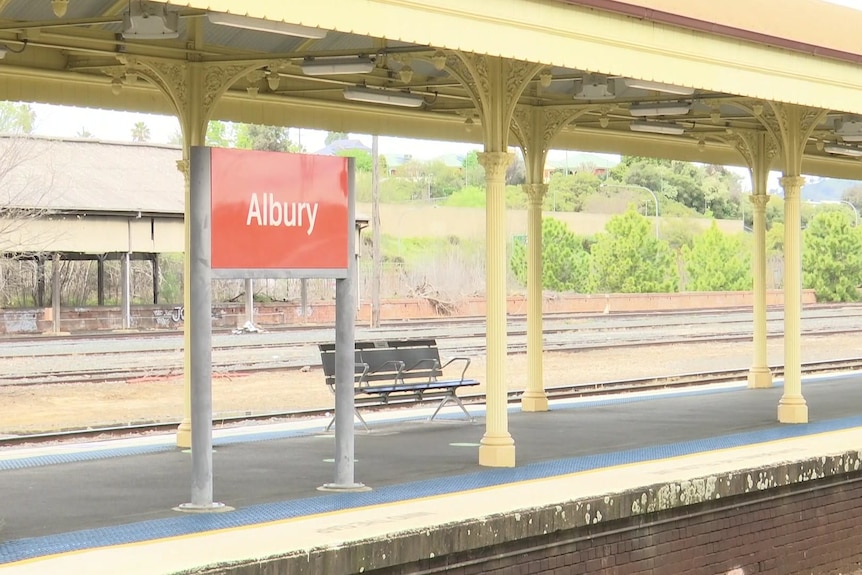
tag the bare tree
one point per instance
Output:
(26, 179)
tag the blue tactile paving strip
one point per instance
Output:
(74, 457)
(187, 524)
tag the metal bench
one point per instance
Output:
(393, 371)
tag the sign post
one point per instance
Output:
(197, 319)
(268, 215)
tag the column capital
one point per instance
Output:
(792, 185)
(759, 201)
(536, 193)
(183, 168)
(792, 181)
(495, 164)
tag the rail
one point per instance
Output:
(604, 388)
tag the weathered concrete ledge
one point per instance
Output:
(589, 515)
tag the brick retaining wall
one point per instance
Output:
(795, 531)
(799, 517)
(79, 319)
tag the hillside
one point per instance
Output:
(826, 189)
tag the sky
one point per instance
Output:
(111, 126)
(106, 125)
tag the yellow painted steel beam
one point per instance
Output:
(52, 87)
(795, 20)
(93, 234)
(554, 33)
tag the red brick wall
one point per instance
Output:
(793, 530)
(279, 314)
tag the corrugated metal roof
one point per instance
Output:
(254, 41)
(90, 176)
(341, 145)
(42, 10)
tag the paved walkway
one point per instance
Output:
(70, 497)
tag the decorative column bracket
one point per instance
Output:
(535, 127)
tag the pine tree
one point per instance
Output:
(565, 262)
(717, 262)
(832, 257)
(628, 258)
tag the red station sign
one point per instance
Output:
(279, 211)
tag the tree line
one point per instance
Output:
(628, 258)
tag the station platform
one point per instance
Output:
(108, 507)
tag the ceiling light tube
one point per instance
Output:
(334, 66)
(843, 150)
(261, 25)
(660, 109)
(657, 127)
(383, 96)
(851, 137)
(658, 87)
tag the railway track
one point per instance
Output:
(304, 360)
(554, 323)
(597, 389)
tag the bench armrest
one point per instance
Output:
(399, 369)
(466, 361)
(433, 367)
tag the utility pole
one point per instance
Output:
(375, 233)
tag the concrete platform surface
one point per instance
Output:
(116, 498)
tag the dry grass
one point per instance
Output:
(63, 406)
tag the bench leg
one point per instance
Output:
(356, 412)
(457, 401)
(359, 415)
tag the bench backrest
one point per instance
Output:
(415, 359)
(421, 358)
(327, 360)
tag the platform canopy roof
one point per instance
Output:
(707, 69)
(88, 177)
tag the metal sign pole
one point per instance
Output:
(198, 320)
(345, 370)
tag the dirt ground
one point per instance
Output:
(42, 408)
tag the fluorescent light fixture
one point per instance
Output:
(658, 87)
(261, 25)
(849, 130)
(843, 150)
(594, 87)
(334, 66)
(657, 127)
(662, 109)
(383, 96)
(150, 21)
